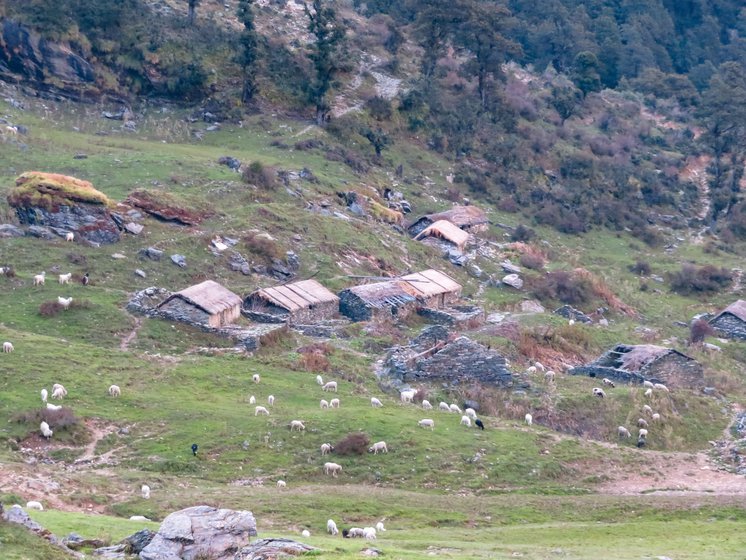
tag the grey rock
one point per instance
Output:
(513, 280)
(16, 514)
(80, 155)
(569, 312)
(264, 549)
(293, 260)
(230, 162)
(39, 231)
(140, 273)
(532, 306)
(510, 268)
(709, 390)
(115, 552)
(90, 222)
(474, 270)
(495, 318)
(201, 532)
(150, 253)
(136, 542)
(9, 230)
(133, 228)
(179, 260)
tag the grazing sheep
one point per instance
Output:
(330, 386)
(549, 376)
(271, 400)
(45, 431)
(64, 302)
(646, 409)
(334, 403)
(34, 505)
(599, 392)
(331, 528)
(65, 278)
(466, 421)
(540, 366)
(319, 380)
(642, 423)
(85, 280)
(471, 413)
(115, 391)
(326, 448)
(8, 347)
(661, 387)
(58, 391)
(479, 424)
(426, 423)
(139, 518)
(44, 395)
(648, 392)
(529, 419)
(531, 370)
(324, 403)
(378, 446)
(375, 403)
(39, 279)
(369, 533)
(145, 491)
(608, 382)
(426, 404)
(260, 410)
(444, 406)
(623, 432)
(454, 408)
(252, 399)
(353, 532)
(380, 528)
(647, 384)
(255, 378)
(69, 236)
(643, 433)
(305, 533)
(333, 469)
(297, 425)
(281, 484)
(656, 417)
(51, 406)
(407, 396)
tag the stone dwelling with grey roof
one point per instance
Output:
(206, 303)
(731, 321)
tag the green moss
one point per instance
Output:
(51, 190)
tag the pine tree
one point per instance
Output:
(248, 54)
(329, 34)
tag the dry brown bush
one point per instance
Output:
(355, 443)
(313, 361)
(50, 308)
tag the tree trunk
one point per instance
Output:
(191, 14)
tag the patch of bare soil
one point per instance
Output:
(130, 336)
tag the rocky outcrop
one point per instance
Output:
(264, 549)
(201, 532)
(16, 514)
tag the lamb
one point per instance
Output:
(642, 423)
(252, 399)
(297, 425)
(331, 528)
(648, 392)
(305, 533)
(608, 382)
(64, 302)
(647, 384)
(330, 386)
(326, 448)
(115, 391)
(8, 347)
(58, 391)
(656, 417)
(334, 403)
(471, 413)
(529, 419)
(353, 532)
(44, 395)
(39, 279)
(427, 423)
(549, 376)
(407, 396)
(65, 278)
(51, 406)
(145, 491)
(69, 236)
(378, 446)
(271, 400)
(623, 432)
(324, 404)
(444, 406)
(375, 403)
(380, 528)
(426, 404)
(647, 409)
(531, 370)
(333, 469)
(260, 410)
(643, 433)
(599, 392)
(466, 421)
(34, 505)
(255, 378)
(661, 387)
(454, 408)
(369, 533)
(319, 380)
(281, 484)
(45, 431)
(540, 366)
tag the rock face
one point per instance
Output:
(264, 549)
(201, 532)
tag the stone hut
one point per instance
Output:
(206, 303)
(731, 321)
(445, 230)
(468, 218)
(645, 362)
(433, 288)
(306, 301)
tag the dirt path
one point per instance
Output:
(127, 340)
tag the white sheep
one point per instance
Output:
(64, 302)
(8, 347)
(33, 504)
(65, 278)
(330, 386)
(426, 405)
(334, 403)
(139, 518)
(444, 406)
(260, 410)
(51, 406)
(454, 408)
(326, 448)
(333, 469)
(375, 403)
(642, 423)
(647, 384)
(531, 370)
(608, 382)
(407, 396)
(39, 279)
(271, 400)
(323, 403)
(252, 399)
(281, 484)
(331, 527)
(255, 378)
(115, 391)
(69, 236)
(44, 395)
(297, 425)
(426, 423)
(597, 391)
(380, 528)
(305, 533)
(540, 366)
(656, 417)
(623, 432)
(647, 409)
(145, 491)
(643, 433)
(58, 391)
(355, 532)
(529, 419)
(378, 446)
(369, 533)
(319, 380)
(648, 392)
(549, 376)
(471, 413)
(660, 387)
(45, 431)
(466, 421)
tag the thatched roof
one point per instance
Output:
(462, 216)
(295, 296)
(431, 282)
(209, 296)
(737, 309)
(445, 230)
(391, 293)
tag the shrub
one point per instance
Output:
(77, 258)
(420, 395)
(355, 443)
(532, 261)
(263, 177)
(706, 279)
(379, 108)
(641, 268)
(263, 246)
(522, 233)
(61, 421)
(699, 330)
(50, 308)
(314, 361)
(563, 286)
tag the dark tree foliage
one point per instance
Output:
(377, 138)
(248, 50)
(585, 72)
(192, 10)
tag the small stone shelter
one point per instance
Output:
(445, 230)
(206, 303)
(306, 301)
(433, 288)
(468, 218)
(731, 321)
(628, 363)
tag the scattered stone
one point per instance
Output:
(510, 268)
(133, 228)
(709, 390)
(569, 312)
(371, 552)
(150, 253)
(456, 257)
(273, 548)
(532, 306)
(115, 116)
(495, 318)
(230, 162)
(474, 270)
(80, 155)
(513, 280)
(40, 232)
(137, 542)
(76, 542)
(140, 273)
(656, 278)
(118, 256)
(9, 230)
(179, 260)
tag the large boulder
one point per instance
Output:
(201, 532)
(63, 204)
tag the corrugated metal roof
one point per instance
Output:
(737, 308)
(297, 295)
(208, 296)
(432, 282)
(447, 231)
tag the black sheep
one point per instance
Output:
(478, 423)
(194, 449)
(641, 442)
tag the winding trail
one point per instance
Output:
(130, 336)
